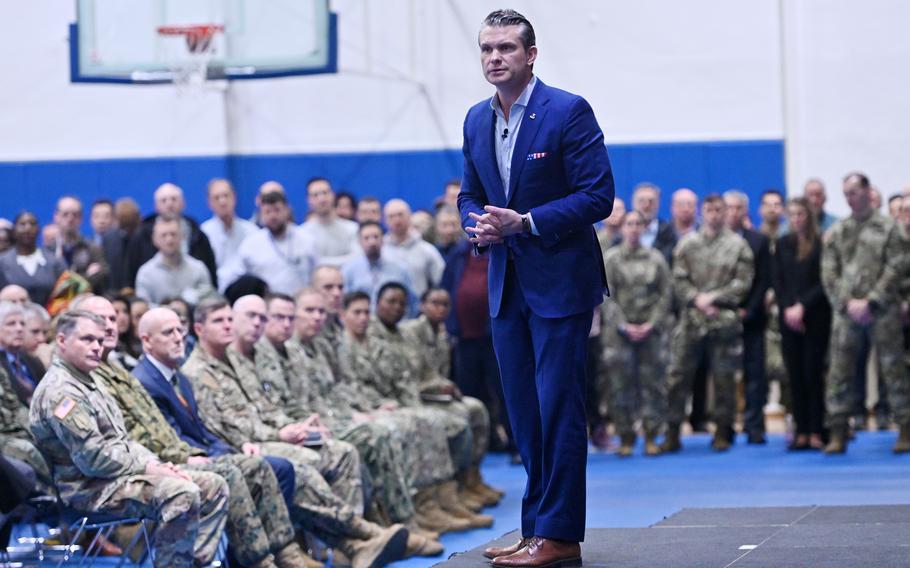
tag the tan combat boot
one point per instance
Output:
(419, 545)
(267, 562)
(430, 516)
(651, 447)
(626, 443)
(372, 546)
(491, 495)
(292, 557)
(902, 446)
(837, 441)
(671, 439)
(447, 497)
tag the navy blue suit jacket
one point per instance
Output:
(561, 175)
(184, 419)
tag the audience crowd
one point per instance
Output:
(334, 376)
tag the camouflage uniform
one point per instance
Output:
(258, 522)
(97, 468)
(380, 449)
(432, 349)
(721, 264)
(865, 259)
(642, 292)
(328, 493)
(15, 439)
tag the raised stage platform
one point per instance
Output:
(780, 537)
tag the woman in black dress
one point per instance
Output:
(805, 321)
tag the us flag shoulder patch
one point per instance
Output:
(64, 408)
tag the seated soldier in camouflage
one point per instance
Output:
(632, 335)
(258, 523)
(429, 341)
(329, 280)
(425, 457)
(379, 450)
(334, 509)
(97, 468)
(16, 390)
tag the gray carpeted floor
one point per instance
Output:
(780, 537)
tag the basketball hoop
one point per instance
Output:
(189, 67)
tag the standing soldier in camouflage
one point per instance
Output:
(633, 335)
(334, 500)
(863, 261)
(429, 340)
(712, 273)
(97, 468)
(257, 523)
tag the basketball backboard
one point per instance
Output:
(118, 41)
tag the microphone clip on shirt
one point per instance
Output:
(505, 132)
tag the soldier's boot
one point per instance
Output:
(419, 545)
(267, 562)
(651, 447)
(475, 481)
(372, 546)
(837, 440)
(447, 497)
(430, 515)
(721, 441)
(671, 439)
(902, 446)
(415, 528)
(292, 557)
(470, 499)
(626, 443)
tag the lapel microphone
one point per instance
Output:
(505, 132)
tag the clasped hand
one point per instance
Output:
(494, 225)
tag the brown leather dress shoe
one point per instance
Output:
(495, 551)
(542, 553)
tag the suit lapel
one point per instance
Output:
(486, 153)
(533, 117)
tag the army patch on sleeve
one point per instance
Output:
(64, 408)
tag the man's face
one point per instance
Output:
(217, 328)
(165, 340)
(166, 236)
(310, 315)
(12, 333)
(503, 57)
(451, 194)
(169, 202)
(274, 216)
(736, 212)
(391, 306)
(356, 317)
(448, 226)
(102, 218)
(250, 318)
(398, 218)
(344, 208)
(320, 197)
(894, 207)
(771, 208)
(280, 326)
(68, 216)
(815, 194)
(102, 308)
(369, 211)
(371, 241)
(437, 306)
(632, 228)
(15, 294)
(646, 201)
(905, 212)
(222, 200)
(859, 198)
(713, 215)
(331, 284)
(35, 333)
(683, 206)
(614, 221)
(83, 348)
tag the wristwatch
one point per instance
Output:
(525, 223)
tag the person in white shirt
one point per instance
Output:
(424, 263)
(225, 230)
(170, 272)
(334, 239)
(279, 253)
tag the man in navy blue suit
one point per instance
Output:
(536, 179)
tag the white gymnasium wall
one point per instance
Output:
(848, 93)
